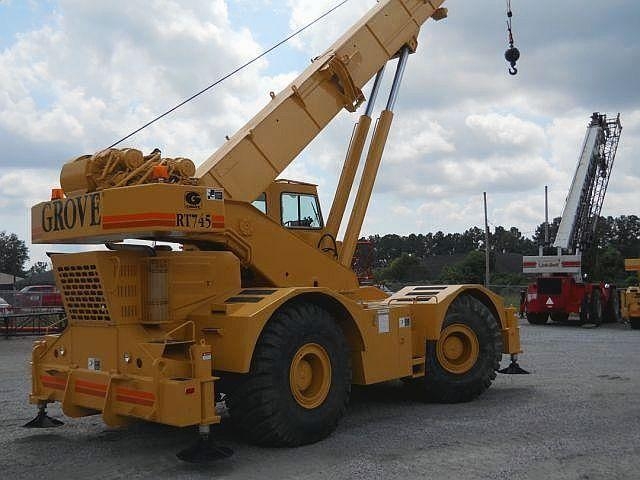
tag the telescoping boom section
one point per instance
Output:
(589, 184)
(259, 305)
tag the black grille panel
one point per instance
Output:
(83, 293)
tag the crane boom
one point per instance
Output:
(589, 184)
(250, 160)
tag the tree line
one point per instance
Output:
(404, 258)
(398, 258)
(14, 254)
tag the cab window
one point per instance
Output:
(261, 203)
(300, 211)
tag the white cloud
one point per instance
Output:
(507, 130)
(323, 34)
(415, 136)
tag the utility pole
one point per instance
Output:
(546, 218)
(486, 243)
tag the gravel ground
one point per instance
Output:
(576, 417)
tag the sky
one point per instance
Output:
(75, 76)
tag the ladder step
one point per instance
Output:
(418, 364)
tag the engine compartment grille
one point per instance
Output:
(83, 292)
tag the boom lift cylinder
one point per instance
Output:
(352, 161)
(372, 163)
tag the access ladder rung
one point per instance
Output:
(418, 366)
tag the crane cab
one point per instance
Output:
(295, 206)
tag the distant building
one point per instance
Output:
(8, 281)
(41, 278)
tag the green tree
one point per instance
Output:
(627, 235)
(609, 266)
(511, 241)
(469, 270)
(38, 267)
(400, 269)
(538, 237)
(13, 254)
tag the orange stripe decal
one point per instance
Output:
(217, 221)
(135, 396)
(135, 393)
(139, 223)
(88, 391)
(150, 219)
(91, 388)
(137, 401)
(95, 386)
(138, 216)
(53, 382)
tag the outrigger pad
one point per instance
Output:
(43, 420)
(514, 369)
(204, 450)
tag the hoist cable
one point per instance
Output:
(230, 74)
(509, 17)
(512, 54)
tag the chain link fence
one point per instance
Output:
(512, 294)
(29, 312)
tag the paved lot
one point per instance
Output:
(576, 417)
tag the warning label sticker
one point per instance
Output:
(206, 356)
(94, 364)
(383, 321)
(215, 194)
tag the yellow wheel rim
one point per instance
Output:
(457, 349)
(310, 375)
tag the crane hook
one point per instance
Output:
(512, 55)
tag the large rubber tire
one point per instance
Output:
(560, 317)
(596, 307)
(612, 309)
(585, 310)
(634, 323)
(537, 318)
(264, 408)
(440, 384)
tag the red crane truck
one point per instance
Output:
(560, 289)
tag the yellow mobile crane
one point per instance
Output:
(260, 305)
(631, 296)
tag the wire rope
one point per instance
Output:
(230, 74)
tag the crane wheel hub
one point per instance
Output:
(458, 348)
(310, 375)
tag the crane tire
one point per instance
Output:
(560, 317)
(537, 318)
(634, 323)
(596, 307)
(299, 382)
(462, 363)
(585, 310)
(612, 310)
